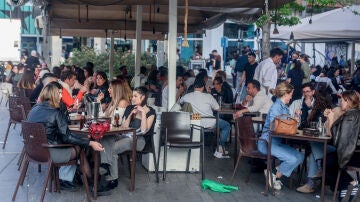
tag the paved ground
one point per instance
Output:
(177, 187)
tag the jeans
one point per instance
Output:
(224, 131)
(67, 173)
(317, 152)
(239, 88)
(290, 158)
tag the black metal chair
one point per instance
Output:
(177, 132)
(348, 168)
(148, 149)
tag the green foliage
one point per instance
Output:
(262, 20)
(285, 15)
(101, 60)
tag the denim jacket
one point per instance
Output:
(276, 109)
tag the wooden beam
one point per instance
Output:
(200, 3)
(116, 25)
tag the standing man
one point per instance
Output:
(266, 72)
(216, 61)
(294, 56)
(32, 61)
(239, 68)
(248, 73)
(304, 60)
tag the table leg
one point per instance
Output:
(217, 130)
(96, 170)
(133, 162)
(268, 166)
(323, 173)
(236, 143)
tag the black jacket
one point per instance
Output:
(56, 126)
(346, 134)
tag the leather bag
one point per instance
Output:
(285, 124)
(98, 129)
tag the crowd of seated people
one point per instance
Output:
(307, 101)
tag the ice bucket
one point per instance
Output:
(93, 109)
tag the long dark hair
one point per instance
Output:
(142, 90)
(320, 104)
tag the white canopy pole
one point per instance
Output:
(172, 52)
(138, 44)
(352, 57)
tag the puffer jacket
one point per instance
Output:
(346, 134)
(56, 125)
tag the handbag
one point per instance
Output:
(97, 130)
(285, 124)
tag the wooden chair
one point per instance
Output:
(37, 151)
(178, 133)
(17, 114)
(348, 168)
(248, 144)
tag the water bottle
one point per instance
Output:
(220, 101)
(116, 118)
(320, 126)
(82, 120)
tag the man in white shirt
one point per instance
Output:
(256, 100)
(180, 89)
(266, 72)
(204, 104)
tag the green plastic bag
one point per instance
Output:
(217, 187)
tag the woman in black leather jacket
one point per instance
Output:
(346, 138)
(56, 127)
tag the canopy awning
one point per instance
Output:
(336, 25)
(94, 17)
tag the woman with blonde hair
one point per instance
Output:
(120, 94)
(56, 127)
(290, 158)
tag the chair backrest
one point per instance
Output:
(26, 103)
(177, 125)
(17, 114)
(245, 130)
(17, 91)
(15, 101)
(34, 136)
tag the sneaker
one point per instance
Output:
(220, 155)
(277, 183)
(222, 150)
(305, 189)
(355, 188)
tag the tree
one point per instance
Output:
(101, 60)
(286, 15)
